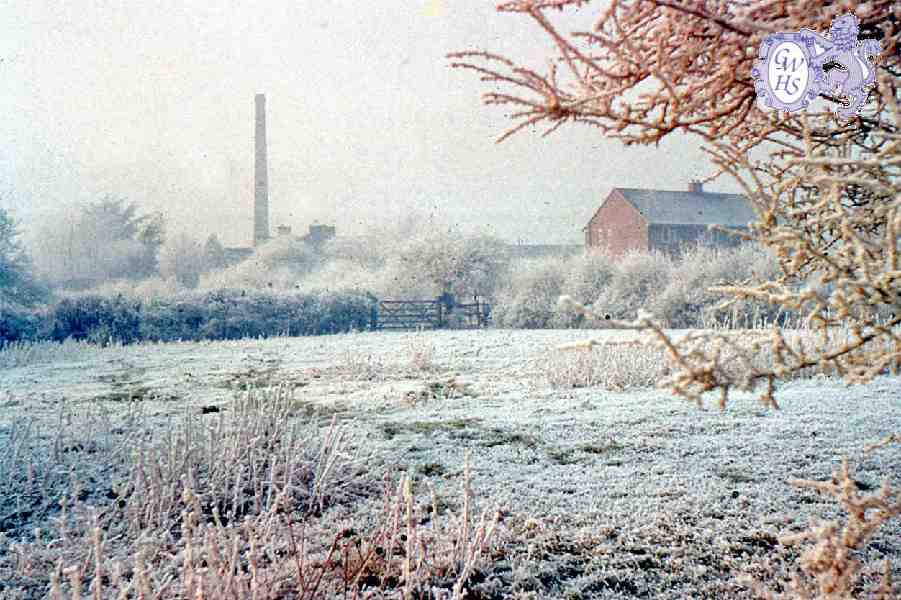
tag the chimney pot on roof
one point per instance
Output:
(695, 186)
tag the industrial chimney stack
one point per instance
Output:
(260, 176)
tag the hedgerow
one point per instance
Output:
(220, 315)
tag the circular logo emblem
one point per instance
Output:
(783, 74)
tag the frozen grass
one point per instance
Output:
(631, 364)
(241, 502)
(585, 492)
(20, 354)
(609, 366)
(413, 360)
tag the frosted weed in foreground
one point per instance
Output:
(241, 505)
(830, 568)
(421, 354)
(612, 366)
(21, 354)
(448, 386)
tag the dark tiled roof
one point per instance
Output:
(544, 250)
(690, 208)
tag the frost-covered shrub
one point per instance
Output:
(402, 278)
(686, 301)
(143, 291)
(587, 276)
(249, 275)
(213, 254)
(232, 314)
(529, 298)
(344, 275)
(432, 263)
(344, 312)
(287, 252)
(366, 252)
(18, 324)
(412, 263)
(675, 291)
(416, 264)
(95, 319)
(612, 366)
(224, 314)
(279, 264)
(165, 320)
(104, 240)
(637, 278)
(182, 258)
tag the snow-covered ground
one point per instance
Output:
(611, 494)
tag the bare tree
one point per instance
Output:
(214, 254)
(647, 68)
(102, 241)
(182, 257)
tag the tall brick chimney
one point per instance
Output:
(260, 176)
(695, 186)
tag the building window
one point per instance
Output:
(664, 235)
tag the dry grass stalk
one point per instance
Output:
(613, 366)
(422, 354)
(447, 386)
(211, 509)
(20, 354)
(635, 364)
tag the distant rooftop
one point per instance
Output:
(690, 207)
(544, 250)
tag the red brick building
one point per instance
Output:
(645, 220)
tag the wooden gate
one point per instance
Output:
(429, 314)
(471, 316)
(409, 314)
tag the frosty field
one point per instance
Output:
(602, 493)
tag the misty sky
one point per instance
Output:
(154, 101)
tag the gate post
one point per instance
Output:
(373, 318)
